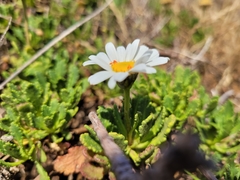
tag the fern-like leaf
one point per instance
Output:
(90, 143)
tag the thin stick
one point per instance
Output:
(203, 50)
(6, 30)
(120, 164)
(55, 41)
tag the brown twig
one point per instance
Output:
(120, 164)
(203, 51)
(225, 96)
(55, 41)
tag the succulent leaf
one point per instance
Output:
(43, 174)
(161, 136)
(11, 149)
(119, 139)
(90, 143)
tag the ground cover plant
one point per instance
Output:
(145, 112)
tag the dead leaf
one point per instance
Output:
(79, 160)
(71, 162)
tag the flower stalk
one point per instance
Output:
(126, 108)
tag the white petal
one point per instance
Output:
(119, 77)
(131, 52)
(143, 68)
(111, 51)
(121, 53)
(111, 83)
(158, 61)
(154, 54)
(128, 51)
(143, 49)
(143, 59)
(139, 68)
(104, 57)
(99, 77)
(105, 61)
(86, 63)
(150, 70)
(102, 63)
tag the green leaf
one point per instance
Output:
(161, 137)
(102, 160)
(43, 174)
(106, 116)
(39, 123)
(5, 123)
(73, 75)
(134, 156)
(92, 133)
(17, 133)
(156, 127)
(11, 164)
(111, 119)
(90, 143)
(56, 139)
(119, 139)
(168, 103)
(25, 107)
(37, 134)
(33, 93)
(154, 156)
(43, 156)
(118, 121)
(211, 105)
(147, 153)
(146, 125)
(8, 148)
(57, 73)
(193, 106)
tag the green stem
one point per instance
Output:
(127, 105)
(11, 164)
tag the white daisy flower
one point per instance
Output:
(119, 63)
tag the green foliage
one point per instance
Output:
(182, 96)
(178, 93)
(150, 127)
(44, 22)
(43, 174)
(167, 102)
(40, 106)
(153, 115)
(232, 168)
(91, 142)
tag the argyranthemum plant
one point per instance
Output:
(120, 63)
(122, 66)
(139, 127)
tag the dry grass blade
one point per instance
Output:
(6, 30)
(120, 21)
(55, 41)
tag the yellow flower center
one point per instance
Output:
(122, 66)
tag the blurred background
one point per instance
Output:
(201, 34)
